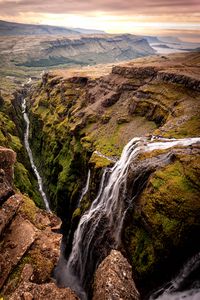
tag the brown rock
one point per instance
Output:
(27, 296)
(8, 211)
(23, 234)
(6, 191)
(29, 291)
(113, 279)
(27, 272)
(7, 160)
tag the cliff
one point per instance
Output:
(29, 242)
(18, 53)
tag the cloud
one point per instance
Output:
(89, 7)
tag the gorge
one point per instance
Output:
(119, 160)
(99, 229)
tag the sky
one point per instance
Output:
(153, 17)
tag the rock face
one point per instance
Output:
(161, 229)
(73, 51)
(7, 159)
(113, 279)
(29, 249)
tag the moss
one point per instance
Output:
(15, 143)
(23, 183)
(100, 162)
(87, 143)
(76, 213)
(144, 253)
(190, 128)
(15, 276)
(166, 217)
(29, 209)
(42, 266)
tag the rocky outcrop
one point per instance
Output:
(113, 279)
(29, 291)
(133, 72)
(188, 81)
(29, 247)
(7, 159)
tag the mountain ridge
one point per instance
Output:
(14, 28)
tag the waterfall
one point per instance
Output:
(175, 289)
(86, 187)
(30, 155)
(99, 229)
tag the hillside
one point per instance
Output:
(29, 55)
(46, 51)
(10, 29)
(13, 29)
(147, 205)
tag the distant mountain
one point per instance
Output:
(90, 50)
(88, 31)
(12, 29)
(169, 39)
(151, 39)
(53, 50)
(9, 28)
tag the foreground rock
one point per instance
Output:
(113, 279)
(29, 247)
(29, 291)
(7, 159)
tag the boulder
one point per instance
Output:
(113, 279)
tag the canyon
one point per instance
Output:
(147, 219)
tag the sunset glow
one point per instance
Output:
(162, 17)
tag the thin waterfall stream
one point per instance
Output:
(30, 155)
(99, 229)
(85, 189)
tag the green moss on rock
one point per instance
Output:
(166, 217)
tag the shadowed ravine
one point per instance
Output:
(99, 229)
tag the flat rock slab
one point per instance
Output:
(8, 211)
(18, 239)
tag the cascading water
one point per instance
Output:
(86, 187)
(175, 289)
(99, 229)
(28, 149)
